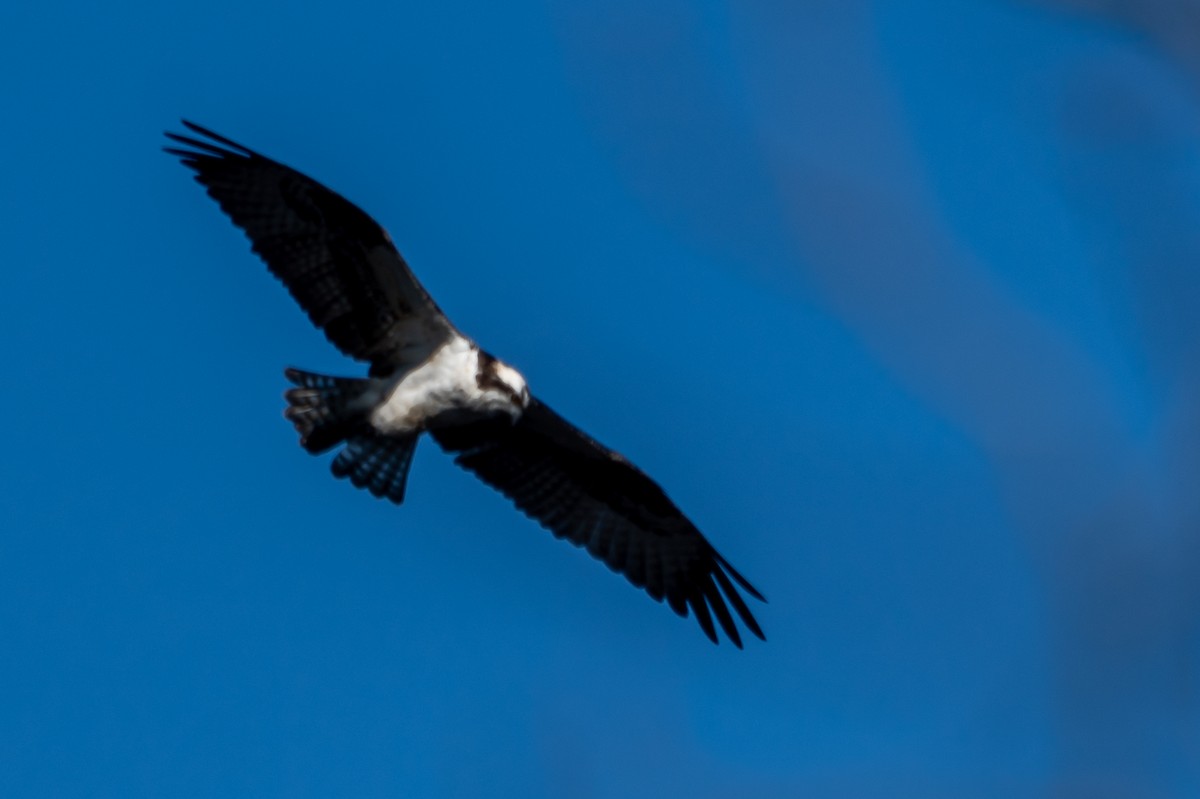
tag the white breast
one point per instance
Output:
(444, 386)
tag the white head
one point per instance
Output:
(501, 384)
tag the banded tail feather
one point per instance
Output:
(328, 411)
(324, 409)
(377, 463)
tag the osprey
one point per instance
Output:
(427, 377)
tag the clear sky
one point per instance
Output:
(896, 300)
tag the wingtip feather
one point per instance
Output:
(742, 581)
(739, 604)
(212, 145)
(721, 611)
(207, 133)
(700, 610)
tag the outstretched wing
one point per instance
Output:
(336, 261)
(595, 498)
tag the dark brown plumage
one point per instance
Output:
(584, 492)
(334, 259)
(343, 269)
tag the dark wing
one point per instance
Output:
(595, 498)
(336, 261)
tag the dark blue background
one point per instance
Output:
(898, 301)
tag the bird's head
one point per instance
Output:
(502, 383)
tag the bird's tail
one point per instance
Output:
(328, 411)
(322, 408)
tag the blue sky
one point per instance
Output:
(897, 301)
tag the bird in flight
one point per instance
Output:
(426, 377)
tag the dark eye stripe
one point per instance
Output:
(487, 379)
